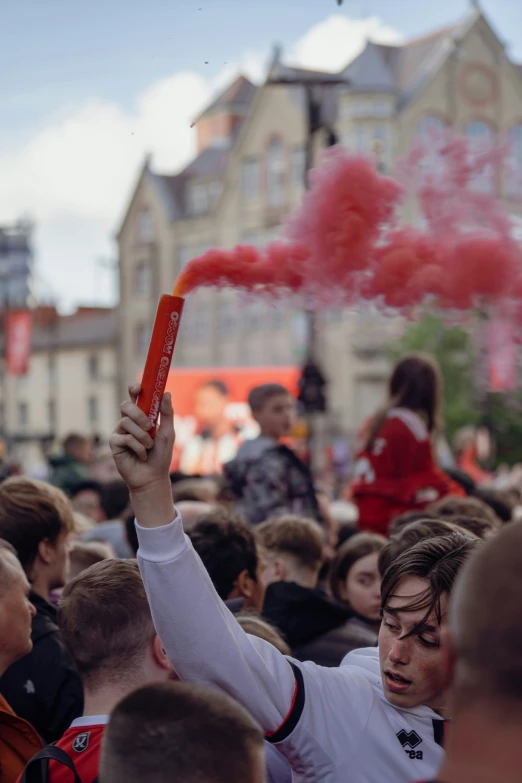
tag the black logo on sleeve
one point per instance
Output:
(81, 742)
(409, 741)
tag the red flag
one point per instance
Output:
(19, 329)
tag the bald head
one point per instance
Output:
(486, 622)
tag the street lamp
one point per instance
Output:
(312, 83)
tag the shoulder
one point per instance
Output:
(402, 420)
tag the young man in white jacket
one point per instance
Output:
(379, 717)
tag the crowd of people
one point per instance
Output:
(159, 626)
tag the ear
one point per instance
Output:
(281, 569)
(244, 584)
(159, 654)
(46, 551)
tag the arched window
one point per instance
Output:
(481, 134)
(515, 172)
(428, 126)
(275, 173)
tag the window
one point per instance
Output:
(93, 369)
(298, 166)
(515, 171)
(428, 125)
(92, 411)
(202, 327)
(185, 254)
(51, 415)
(142, 339)
(51, 369)
(250, 179)
(480, 135)
(252, 318)
(226, 319)
(275, 173)
(214, 190)
(145, 226)
(345, 110)
(23, 415)
(381, 108)
(199, 201)
(362, 136)
(347, 140)
(143, 278)
(277, 317)
(362, 108)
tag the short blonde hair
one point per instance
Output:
(299, 537)
(84, 554)
(256, 626)
(32, 511)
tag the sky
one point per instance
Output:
(90, 87)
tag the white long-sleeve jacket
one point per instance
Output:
(333, 725)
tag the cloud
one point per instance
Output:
(333, 43)
(74, 175)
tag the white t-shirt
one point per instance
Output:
(333, 725)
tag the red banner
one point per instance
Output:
(18, 346)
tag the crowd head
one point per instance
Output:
(415, 384)
(354, 575)
(415, 591)
(485, 627)
(292, 550)
(273, 407)
(78, 447)
(228, 549)
(412, 534)
(37, 520)
(105, 621)
(16, 611)
(181, 732)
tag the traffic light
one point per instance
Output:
(312, 389)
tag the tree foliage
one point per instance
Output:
(457, 356)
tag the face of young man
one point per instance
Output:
(277, 417)
(413, 669)
(16, 612)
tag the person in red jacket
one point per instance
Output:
(395, 470)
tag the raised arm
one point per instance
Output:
(201, 637)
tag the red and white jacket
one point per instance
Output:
(398, 473)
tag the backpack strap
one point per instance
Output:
(36, 770)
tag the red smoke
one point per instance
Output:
(343, 243)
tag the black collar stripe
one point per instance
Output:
(295, 712)
(439, 731)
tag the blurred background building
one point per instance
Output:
(69, 382)
(249, 173)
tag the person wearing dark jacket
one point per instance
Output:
(70, 469)
(316, 628)
(18, 739)
(43, 687)
(267, 478)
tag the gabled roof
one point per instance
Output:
(211, 162)
(236, 98)
(371, 70)
(400, 69)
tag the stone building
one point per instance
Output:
(70, 386)
(249, 172)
